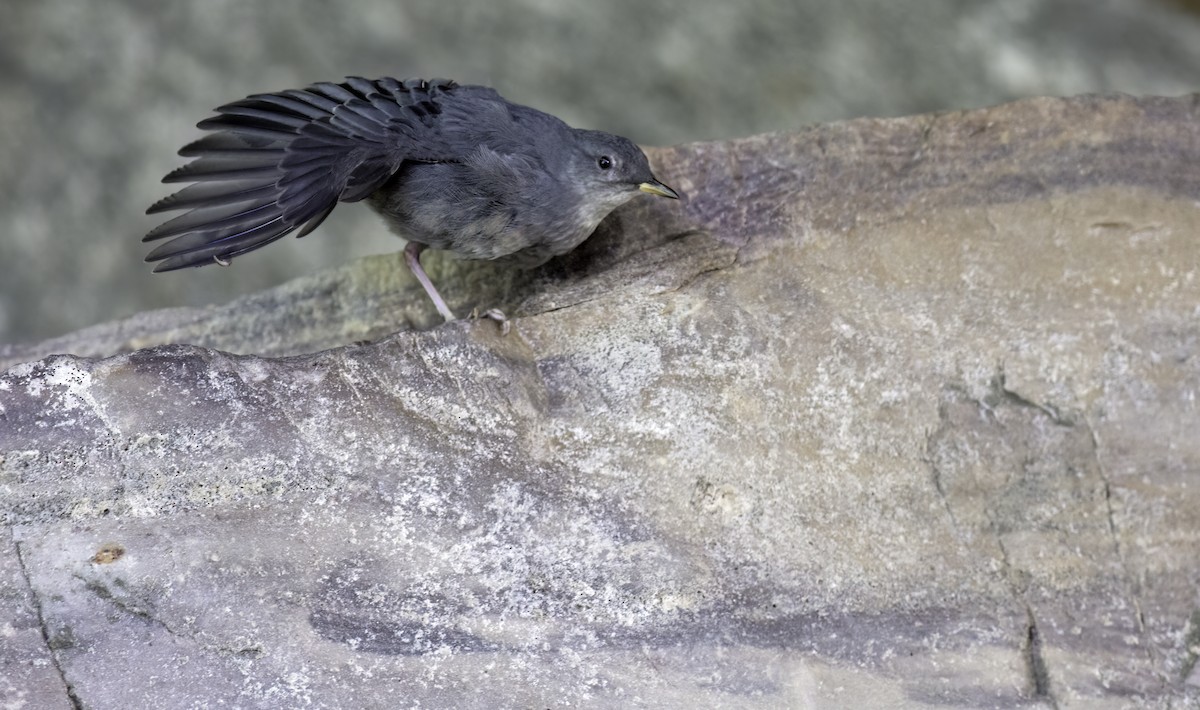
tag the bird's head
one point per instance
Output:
(611, 170)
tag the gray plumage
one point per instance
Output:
(447, 166)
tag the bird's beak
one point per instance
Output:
(654, 187)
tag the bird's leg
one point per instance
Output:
(412, 256)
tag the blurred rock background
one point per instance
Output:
(97, 97)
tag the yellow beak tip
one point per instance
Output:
(657, 188)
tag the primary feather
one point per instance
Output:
(281, 162)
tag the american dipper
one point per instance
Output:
(448, 166)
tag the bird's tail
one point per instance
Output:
(276, 163)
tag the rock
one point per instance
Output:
(888, 413)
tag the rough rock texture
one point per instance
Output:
(889, 413)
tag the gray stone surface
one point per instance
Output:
(29, 674)
(888, 413)
(97, 97)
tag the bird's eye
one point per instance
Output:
(604, 162)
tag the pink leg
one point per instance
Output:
(412, 256)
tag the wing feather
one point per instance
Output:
(277, 163)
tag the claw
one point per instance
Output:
(497, 315)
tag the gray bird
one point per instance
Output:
(448, 166)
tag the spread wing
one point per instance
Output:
(280, 162)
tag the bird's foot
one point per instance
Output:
(495, 314)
